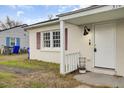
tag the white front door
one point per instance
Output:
(105, 45)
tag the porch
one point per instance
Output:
(109, 20)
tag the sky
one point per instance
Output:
(29, 14)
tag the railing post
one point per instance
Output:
(62, 35)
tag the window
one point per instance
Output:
(12, 41)
(46, 39)
(51, 39)
(56, 39)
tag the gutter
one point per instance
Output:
(80, 10)
(48, 22)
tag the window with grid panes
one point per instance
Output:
(56, 39)
(46, 39)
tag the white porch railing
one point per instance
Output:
(71, 62)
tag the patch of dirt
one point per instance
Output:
(84, 86)
(49, 80)
(15, 70)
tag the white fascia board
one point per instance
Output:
(90, 12)
(42, 24)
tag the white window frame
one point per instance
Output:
(51, 48)
(46, 40)
(55, 39)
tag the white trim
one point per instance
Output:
(114, 24)
(86, 13)
(47, 49)
(115, 47)
(51, 48)
(42, 24)
(62, 38)
(90, 12)
(93, 28)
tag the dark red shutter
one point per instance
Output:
(38, 40)
(66, 38)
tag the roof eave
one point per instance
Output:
(80, 10)
(41, 24)
(22, 26)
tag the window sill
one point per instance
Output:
(50, 50)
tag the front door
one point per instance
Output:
(105, 45)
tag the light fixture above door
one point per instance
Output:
(86, 30)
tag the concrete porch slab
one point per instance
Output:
(100, 80)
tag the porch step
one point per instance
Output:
(104, 71)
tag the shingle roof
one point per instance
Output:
(68, 13)
(44, 21)
(24, 25)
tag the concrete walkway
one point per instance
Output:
(100, 80)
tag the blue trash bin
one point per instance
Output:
(16, 49)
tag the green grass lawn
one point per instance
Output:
(32, 64)
(5, 78)
(44, 74)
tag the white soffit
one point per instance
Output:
(97, 17)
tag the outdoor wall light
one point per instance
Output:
(86, 30)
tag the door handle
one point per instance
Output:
(95, 50)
